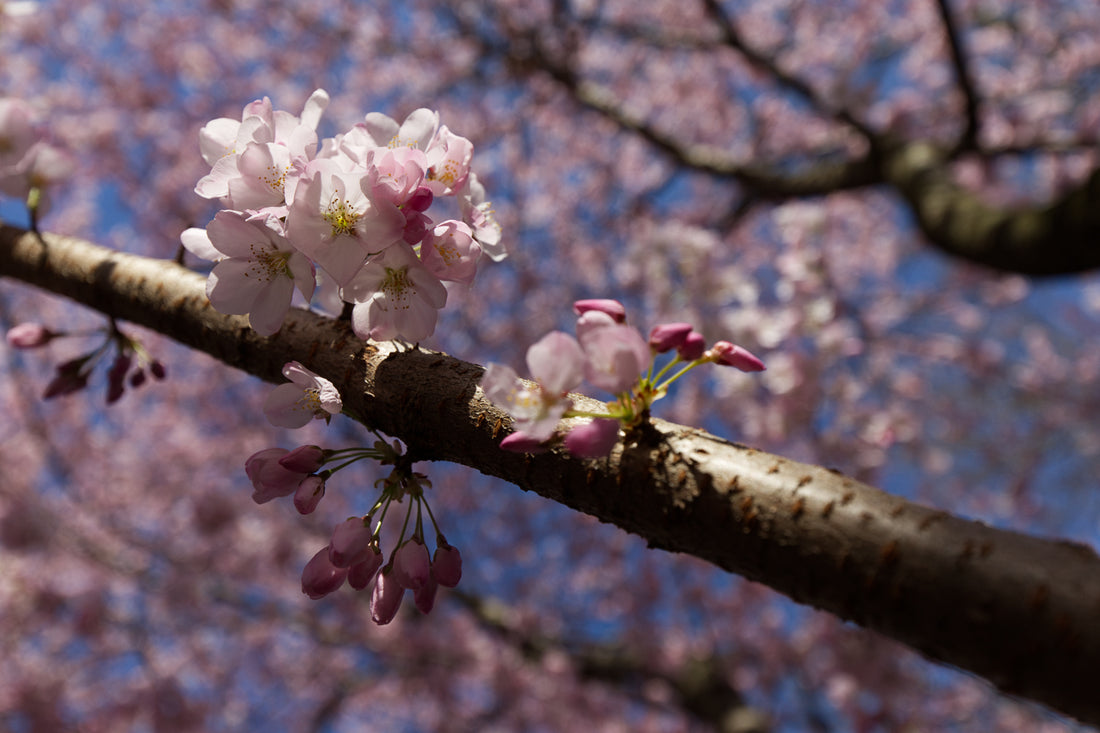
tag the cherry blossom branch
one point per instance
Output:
(1053, 238)
(820, 179)
(524, 51)
(1015, 609)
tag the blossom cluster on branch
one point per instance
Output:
(353, 216)
(356, 206)
(610, 355)
(354, 553)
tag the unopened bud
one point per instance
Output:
(361, 573)
(29, 336)
(612, 308)
(308, 494)
(735, 356)
(320, 577)
(411, 567)
(350, 542)
(386, 597)
(304, 459)
(668, 336)
(693, 347)
(447, 564)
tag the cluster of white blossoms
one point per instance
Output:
(351, 213)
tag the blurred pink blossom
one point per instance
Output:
(308, 396)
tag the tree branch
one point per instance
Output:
(787, 81)
(1058, 238)
(1020, 611)
(968, 140)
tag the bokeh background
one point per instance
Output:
(679, 156)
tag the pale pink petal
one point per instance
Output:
(283, 407)
(556, 361)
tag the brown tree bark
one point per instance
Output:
(1018, 610)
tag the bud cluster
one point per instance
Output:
(610, 355)
(129, 364)
(354, 553)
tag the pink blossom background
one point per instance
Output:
(141, 589)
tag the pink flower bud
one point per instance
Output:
(269, 479)
(693, 347)
(420, 199)
(446, 564)
(29, 336)
(304, 459)
(668, 336)
(411, 567)
(158, 370)
(417, 226)
(520, 442)
(425, 597)
(730, 355)
(591, 320)
(320, 577)
(386, 598)
(69, 377)
(309, 493)
(116, 377)
(350, 542)
(361, 573)
(612, 308)
(593, 439)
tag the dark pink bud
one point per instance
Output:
(137, 378)
(115, 390)
(116, 377)
(612, 308)
(386, 598)
(411, 567)
(304, 459)
(350, 542)
(158, 370)
(425, 597)
(320, 577)
(593, 439)
(361, 573)
(29, 336)
(737, 357)
(308, 494)
(69, 377)
(417, 226)
(269, 479)
(446, 564)
(693, 347)
(520, 442)
(420, 199)
(668, 336)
